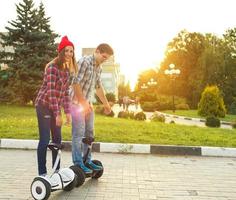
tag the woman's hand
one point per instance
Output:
(59, 120)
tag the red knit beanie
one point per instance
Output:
(64, 42)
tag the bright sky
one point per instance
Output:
(138, 30)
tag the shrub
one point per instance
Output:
(232, 108)
(148, 106)
(182, 106)
(163, 102)
(123, 114)
(131, 115)
(99, 109)
(211, 103)
(156, 117)
(212, 121)
(111, 114)
(110, 98)
(140, 116)
(233, 124)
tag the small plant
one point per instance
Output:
(99, 109)
(131, 115)
(156, 117)
(233, 124)
(140, 116)
(212, 121)
(211, 103)
(111, 114)
(123, 114)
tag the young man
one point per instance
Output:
(85, 84)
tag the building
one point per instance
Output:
(110, 72)
(4, 66)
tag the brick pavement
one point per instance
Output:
(128, 177)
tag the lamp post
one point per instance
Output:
(151, 82)
(173, 72)
(144, 86)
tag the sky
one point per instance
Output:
(138, 30)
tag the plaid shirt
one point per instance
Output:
(54, 91)
(88, 77)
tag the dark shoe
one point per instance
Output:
(93, 166)
(86, 169)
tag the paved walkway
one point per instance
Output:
(128, 177)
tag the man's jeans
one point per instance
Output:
(82, 126)
(46, 123)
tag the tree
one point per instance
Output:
(33, 46)
(183, 51)
(124, 90)
(211, 103)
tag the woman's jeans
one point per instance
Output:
(82, 126)
(46, 124)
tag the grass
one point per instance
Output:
(21, 123)
(193, 114)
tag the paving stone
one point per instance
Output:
(128, 177)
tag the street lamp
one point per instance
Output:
(144, 86)
(173, 73)
(151, 82)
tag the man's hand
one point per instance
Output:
(86, 106)
(107, 108)
(59, 120)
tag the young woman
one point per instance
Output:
(54, 94)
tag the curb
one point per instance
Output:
(195, 119)
(130, 148)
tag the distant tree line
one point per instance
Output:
(203, 59)
(33, 45)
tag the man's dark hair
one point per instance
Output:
(105, 48)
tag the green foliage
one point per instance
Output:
(140, 116)
(212, 121)
(124, 90)
(203, 59)
(99, 109)
(156, 117)
(123, 114)
(21, 123)
(126, 114)
(163, 102)
(182, 106)
(110, 97)
(33, 45)
(144, 78)
(232, 108)
(148, 106)
(211, 103)
(233, 124)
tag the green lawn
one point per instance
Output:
(193, 114)
(20, 122)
